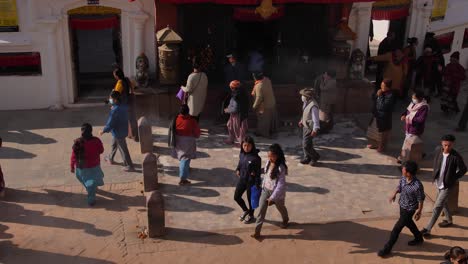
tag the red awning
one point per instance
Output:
(16, 60)
(94, 24)
(257, 2)
(249, 15)
(390, 13)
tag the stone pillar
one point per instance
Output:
(50, 26)
(363, 18)
(453, 198)
(150, 172)
(420, 18)
(139, 37)
(156, 218)
(145, 134)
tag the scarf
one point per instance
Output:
(413, 109)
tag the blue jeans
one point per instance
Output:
(184, 167)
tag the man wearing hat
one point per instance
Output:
(454, 74)
(238, 110)
(310, 124)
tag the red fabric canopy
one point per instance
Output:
(94, 24)
(257, 2)
(249, 15)
(15, 60)
(390, 13)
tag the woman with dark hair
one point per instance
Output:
(455, 255)
(273, 188)
(86, 162)
(186, 133)
(248, 170)
(196, 89)
(380, 126)
(414, 117)
(238, 110)
(127, 96)
(264, 105)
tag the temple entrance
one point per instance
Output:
(96, 46)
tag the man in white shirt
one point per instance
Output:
(448, 168)
(310, 124)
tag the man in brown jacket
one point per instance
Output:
(264, 105)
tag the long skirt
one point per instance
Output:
(237, 128)
(185, 148)
(91, 178)
(266, 122)
(375, 137)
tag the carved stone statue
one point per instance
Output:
(356, 65)
(142, 66)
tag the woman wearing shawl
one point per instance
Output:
(238, 111)
(415, 118)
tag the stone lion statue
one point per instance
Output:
(356, 65)
(142, 66)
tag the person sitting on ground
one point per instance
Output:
(310, 125)
(238, 110)
(411, 202)
(248, 170)
(186, 131)
(117, 124)
(273, 188)
(414, 117)
(85, 161)
(448, 168)
(456, 255)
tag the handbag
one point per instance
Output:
(255, 193)
(181, 95)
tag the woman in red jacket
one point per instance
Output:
(86, 161)
(186, 133)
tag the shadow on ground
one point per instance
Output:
(200, 237)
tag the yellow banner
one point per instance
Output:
(8, 17)
(94, 10)
(438, 12)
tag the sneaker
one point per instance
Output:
(128, 169)
(415, 242)
(305, 161)
(243, 215)
(425, 233)
(284, 224)
(248, 219)
(445, 224)
(313, 163)
(109, 161)
(184, 182)
(256, 236)
(383, 253)
(92, 203)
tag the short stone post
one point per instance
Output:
(155, 207)
(150, 172)
(146, 135)
(453, 198)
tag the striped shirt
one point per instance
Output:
(411, 193)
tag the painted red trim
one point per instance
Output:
(257, 2)
(94, 24)
(390, 13)
(17, 60)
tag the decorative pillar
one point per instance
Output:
(363, 18)
(139, 39)
(50, 26)
(421, 11)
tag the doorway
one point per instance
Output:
(95, 37)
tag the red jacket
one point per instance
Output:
(187, 126)
(454, 73)
(93, 148)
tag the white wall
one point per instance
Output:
(44, 28)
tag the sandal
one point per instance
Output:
(243, 216)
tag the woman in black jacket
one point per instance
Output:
(248, 170)
(380, 127)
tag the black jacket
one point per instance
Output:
(243, 104)
(455, 168)
(383, 109)
(250, 163)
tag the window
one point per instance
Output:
(8, 16)
(465, 39)
(20, 63)
(445, 41)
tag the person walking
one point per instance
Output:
(411, 203)
(85, 161)
(455, 255)
(2, 180)
(380, 126)
(388, 44)
(264, 105)
(127, 96)
(428, 67)
(453, 74)
(248, 170)
(186, 133)
(310, 124)
(448, 168)
(117, 124)
(414, 117)
(328, 94)
(196, 89)
(273, 188)
(238, 110)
